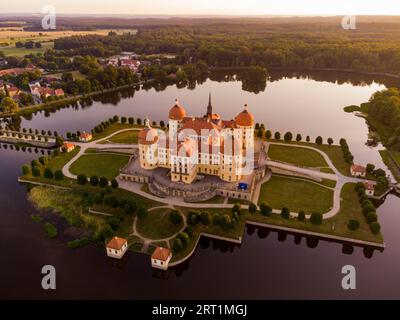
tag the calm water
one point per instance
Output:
(266, 265)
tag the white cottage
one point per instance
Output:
(160, 258)
(117, 247)
(369, 188)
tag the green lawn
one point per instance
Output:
(215, 199)
(101, 165)
(157, 225)
(296, 195)
(20, 52)
(297, 156)
(113, 128)
(126, 137)
(59, 162)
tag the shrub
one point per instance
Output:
(316, 218)
(367, 209)
(175, 217)
(265, 210)
(298, 137)
(111, 201)
(58, 175)
(193, 218)
(353, 225)
(226, 221)
(43, 160)
(48, 174)
(26, 170)
(184, 237)
(236, 208)
(308, 139)
(301, 216)
(114, 183)
(78, 243)
(114, 222)
(288, 136)
(371, 217)
(103, 182)
(318, 140)
(94, 181)
(104, 233)
(252, 208)
(277, 135)
(50, 230)
(98, 199)
(177, 246)
(36, 171)
(268, 134)
(330, 141)
(81, 179)
(35, 163)
(285, 213)
(375, 227)
(205, 218)
(216, 219)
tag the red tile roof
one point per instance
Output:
(358, 168)
(116, 243)
(161, 254)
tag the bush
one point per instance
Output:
(298, 137)
(330, 141)
(142, 213)
(226, 221)
(367, 209)
(184, 237)
(316, 218)
(277, 135)
(285, 213)
(353, 225)
(177, 246)
(175, 217)
(265, 210)
(98, 199)
(26, 170)
(236, 208)
(94, 181)
(103, 182)
(268, 134)
(36, 171)
(81, 179)
(301, 216)
(205, 218)
(193, 218)
(216, 219)
(58, 175)
(288, 136)
(43, 160)
(252, 208)
(105, 233)
(78, 243)
(371, 217)
(48, 174)
(51, 230)
(114, 183)
(114, 222)
(318, 140)
(111, 201)
(35, 163)
(375, 227)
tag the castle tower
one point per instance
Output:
(245, 121)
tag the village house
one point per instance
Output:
(117, 247)
(13, 91)
(369, 188)
(68, 147)
(160, 258)
(357, 170)
(125, 62)
(85, 137)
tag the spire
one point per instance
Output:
(209, 107)
(147, 122)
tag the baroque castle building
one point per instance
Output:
(200, 145)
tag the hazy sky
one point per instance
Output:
(209, 7)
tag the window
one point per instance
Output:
(162, 263)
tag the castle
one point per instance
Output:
(200, 145)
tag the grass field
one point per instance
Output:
(157, 225)
(297, 156)
(101, 165)
(296, 195)
(20, 52)
(59, 162)
(392, 161)
(126, 137)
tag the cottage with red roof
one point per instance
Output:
(68, 147)
(117, 247)
(85, 136)
(357, 170)
(160, 258)
(369, 188)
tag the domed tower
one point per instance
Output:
(148, 147)
(245, 122)
(175, 117)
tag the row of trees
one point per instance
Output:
(368, 211)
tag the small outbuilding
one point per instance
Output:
(85, 136)
(117, 247)
(357, 170)
(68, 147)
(160, 258)
(369, 188)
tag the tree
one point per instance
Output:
(268, 134)
(123, 120)
(50, 230)
(330, 141)
(371, 217)
(36, 171)
(94, 181)
(130, 207)
(277, 135)
(114, 222)
(184, 237)
(252, 208)
(105, 233)
(175, 217)
(353, 225)
(285, 213)
(298, 137)
(375, 227)
(8, 105)
(236, 208)
(370, 168)
(48, 174)
(81, 179)
(162, 124)
(226, 221)
(308, 139)
(59, 141)
(177, 246)
(111, 201)
(142, 213)
(205, 218)
(288, 136)
(301, 216)
(216, 219)
(193, 218)
(116, 119)
(319, 140)
(316, 218)
(114, 183)
(260, 133)
(58, 175)
(26, 170)
(103, 182)
(265, 210)
(131, 120)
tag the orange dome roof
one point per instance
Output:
(177, 112)
(245, 118)
(148, 136)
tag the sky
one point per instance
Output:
(208, 7)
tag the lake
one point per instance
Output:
(268, 264)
